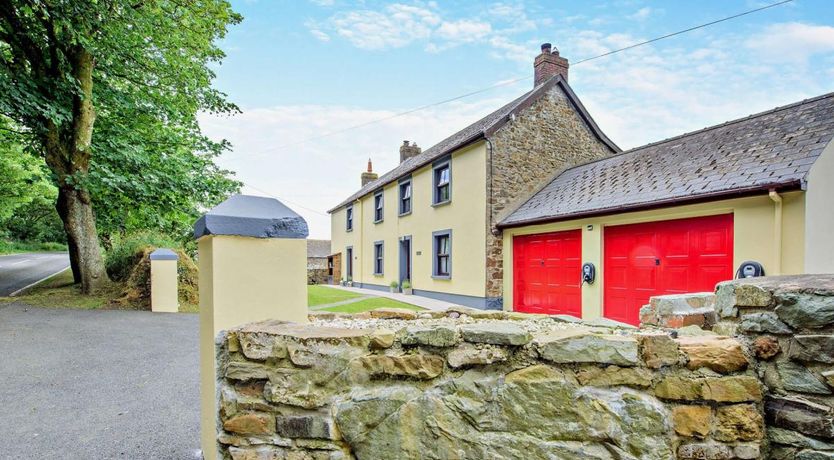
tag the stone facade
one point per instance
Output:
(545, 139)
(471, 384)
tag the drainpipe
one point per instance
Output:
(777, 230)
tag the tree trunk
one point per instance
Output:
(76, 212)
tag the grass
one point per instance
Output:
(59, 291)
(320, 295)
(371, 304)
(14, 247)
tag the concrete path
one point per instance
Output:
(420, 301)
(18, 271)
(98, 384)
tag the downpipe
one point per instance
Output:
(777, 230)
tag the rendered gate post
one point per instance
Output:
(253, 266)
(164, 281)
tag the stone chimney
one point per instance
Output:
(408, 151)
(369, 175)
(548, 64)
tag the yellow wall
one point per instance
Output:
(465, 215)
(819, 204)
(753, 240)
(164, 286)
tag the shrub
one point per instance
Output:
(406, 284)
(394, 284)
(128, 250)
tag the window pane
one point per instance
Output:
(443, 193)
(444, 176)
(379, 202)
(407, 191)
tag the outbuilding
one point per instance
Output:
(677, 216)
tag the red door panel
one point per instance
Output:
(546, 273)
(666, 257)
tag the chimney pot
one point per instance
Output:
(546, 48)
(369, 175)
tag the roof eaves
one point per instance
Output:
(669, 202)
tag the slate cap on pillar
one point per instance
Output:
(254, 216)
(164, 254)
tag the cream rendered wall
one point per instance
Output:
(465, 216)
(819, 207)
(340, 239)
(753, 226)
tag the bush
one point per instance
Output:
(128, 250)
(8, 247)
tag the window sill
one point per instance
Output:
(349, 230)
(442, 277)
(379, 221)
(442, 203)
(379, 274)
(403, 214)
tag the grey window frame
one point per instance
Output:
(379, 258)
(435, 188)
(349, 218)
(403, 183)
(434, 255)
(379, 195)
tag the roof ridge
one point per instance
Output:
(698, 131)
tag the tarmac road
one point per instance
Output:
(18, 271)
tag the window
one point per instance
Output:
(378, 207)
(405, 197)
(349, 219)
(442, 182)
(379, 261)
(349, 263)
(442, 261)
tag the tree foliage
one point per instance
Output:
(107, 92)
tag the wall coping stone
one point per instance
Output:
(164, 254)
(253, 216)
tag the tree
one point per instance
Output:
(68, 65)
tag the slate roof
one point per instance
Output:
(773, 149)
(318, 249)
(482, 128)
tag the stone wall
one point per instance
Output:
(470, 384)
(545, 139)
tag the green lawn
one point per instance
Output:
(14, 247)
(371, 304)
(320, 295)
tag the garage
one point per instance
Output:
(546, 273)
(664, 257)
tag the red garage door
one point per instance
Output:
(546, 273)
(666, 257)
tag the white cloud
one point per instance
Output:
(397, 25)
(463, 31)
(322, 2)
(792, 42)
(642, 14)
(320, 35)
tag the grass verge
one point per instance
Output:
(371, 304)
(15, 247)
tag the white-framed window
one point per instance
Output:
(379, 258)
(379, 207)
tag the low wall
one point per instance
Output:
(472, 384)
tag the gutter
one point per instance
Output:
(777, 230)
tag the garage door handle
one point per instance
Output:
(657, 261)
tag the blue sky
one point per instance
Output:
(302, 69)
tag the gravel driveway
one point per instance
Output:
(98, 384)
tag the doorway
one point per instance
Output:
(405, 260)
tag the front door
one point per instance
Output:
(349, 263)
(405, 259)
(336, 267)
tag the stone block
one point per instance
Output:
(795, 377)
(747, 451)
(245, 370)
(421, 367)
(738, 388)
(806, 310)
(792, 438)
(812, 348)
(433, 336)
(470, 355)
(582, 346)
(393, 313)
(760, 322)
(799, 414)
(692, 421)
(305, 426)
(705, 451)
(382, 338)
(260, 346)
(721, 354)
(814, 455)
(251, 423)
(766, 347)
(258, 453)
(739, 422)
(829, 377)
(283, 331)
(679, 310)
(496, 333)
(658, 350)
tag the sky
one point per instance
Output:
(305, 72)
